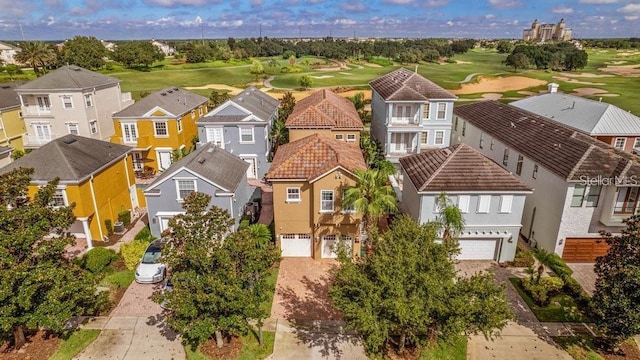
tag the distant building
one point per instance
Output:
(545, 32)
(109, 45)
(164, 47)
(7, 52)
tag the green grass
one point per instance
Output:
(566, 309)
(456, 349)
(251, 350)
(579, 347)
(118, 279)
(77, 341)
(271, 281)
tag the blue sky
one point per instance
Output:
(179, 19)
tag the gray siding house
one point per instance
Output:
(241, 126)
(208, 170)
(490, 198)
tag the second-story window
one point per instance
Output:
(347, 208)
(493, 142)
(193, 114)
(67, 102)
(439, 138)
(93, 126)
(59, 199)
(339, 137)
(326, 201)
(351, 137)
(636, 144)
(43, 103)
(200, 111)
(179, 122)
(160, 128)
(578, 195)
(73, 128)
(455, 124)
(464, 127)
(246, 135)
(481, 145)
(185, 188)
(593, 196)
(88, 100)
(424, 138)
(442, 111)
(293, 194)
(519, 164)
(425, 112)
(505, 157)
(535, 171)
(484, 204)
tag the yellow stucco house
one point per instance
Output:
(12, 126)
(327, 114)
(95, 175)
(159, 124)
(309, 177)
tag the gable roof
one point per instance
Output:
(250, 101)
(212, 164)
(71, 158)
(70, 77)
(568, 153)
(8, 96)
(406, 85)
(313, 156)
(590, 116)
(326, 110)
(458, 168)
(172, 99)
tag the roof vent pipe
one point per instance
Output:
(552, 88)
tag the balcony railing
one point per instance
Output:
(36, 111)
(32, 141)
(139, 142)
(404, 121)
(401, 151)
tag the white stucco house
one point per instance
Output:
(490, 198)
(582, 185)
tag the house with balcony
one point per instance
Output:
(603, 121)
(70, 100)
(210, 170)
(96, 176)
(242, 126)
(12, 128)
(160, 127)
(582, 185)
(409, 113)
(309, 178)
(7, 53)
(490, 198)
(325, 113)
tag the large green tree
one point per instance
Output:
(40, 287)
(450, 219)
(279, 132)
(408, 289)
(35, 54)
(219, 277)
(617, 294)
(137, 54)
(86, 52)
(256, 68)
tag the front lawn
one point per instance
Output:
(249, 349)
(271, 281)
(562, 308)
(456, 349)
(77, 341)
(118, 279)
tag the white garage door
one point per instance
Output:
(295, 245)
(328, 245)
(479, 249)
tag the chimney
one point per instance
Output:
(552, 88)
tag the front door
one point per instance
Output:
(252, 171)
(164, 159)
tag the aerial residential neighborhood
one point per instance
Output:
(183, 185)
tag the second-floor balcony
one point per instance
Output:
(404, 121)
(36, 111)
(140, 142)
(35, 141)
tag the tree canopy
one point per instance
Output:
(86, 52)
(134, 54)
(37, 55)
(40, 286)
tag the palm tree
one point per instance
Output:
(279, 135)
(35, 54)
(372, 196)
(261, 234)
(450, 219)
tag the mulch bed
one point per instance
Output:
(40, 345)
(630, 353)
(229, 351)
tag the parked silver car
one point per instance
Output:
(151, 269)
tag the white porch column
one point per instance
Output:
(87, 231)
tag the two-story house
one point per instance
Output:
(12, 127)
(70, 100)
(409, 113)
(489, 197)
(603, 121)
(325, 113)
(208, 170)
(96, 176)
(242, 126)
(7, 53)
(159, 125)
(309, 178)
(582, 185)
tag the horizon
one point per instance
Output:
(218, 19)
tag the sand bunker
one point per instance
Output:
(623, 70)
(371, 65)
(584, 75)
(628, 53)
(232, 90)
(321, 76)
(491, 96)
(592, 92)
(619, 62)
(501, 84)
(462, 62)
(564, 78)
(345, 73)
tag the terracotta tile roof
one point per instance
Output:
(406, 85)
(324, 110)
(458, 168)
(313, 156)
(564, 151)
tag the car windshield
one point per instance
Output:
(151, 256)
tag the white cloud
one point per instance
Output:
(489, 16)
(504, 4)
(353, 7)
(398, 2)
(450, 23)
(174, 3)
(631, 18)
(630, 9)
(343, 21)
(598, 1)
(228, 24)
(51, 21)
(562, 10)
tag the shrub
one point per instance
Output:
(125, 217)
(144, 235)
(97, 259)
(132, 252)
(109, 226)
(554, 262)
(572, 287)
(542, 291)
(244, 223)
(523, 258)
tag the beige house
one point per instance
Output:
(309, 178)
(70, 100)
(546, 32)
(7, 52)
(12, 127)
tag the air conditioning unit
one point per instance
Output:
(118, 227)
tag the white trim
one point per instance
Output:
(333, 202)
(253, 135)
(438, 110)
(170, 176)
(326, 173)
(506, 204)
(225, 105)
(298, 200)
(62, 97)
(484, 204)
(156, 108)
(463, 205)
(478, 192)
(95, 207)
(135, 128)
(155, 130)
(435, 137)
(177, 183)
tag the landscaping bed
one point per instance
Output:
(583, 348)
(562, 307)
(235, 348)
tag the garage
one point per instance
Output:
(584, 250)
(295, 245)
(478, 249)
(329, 245)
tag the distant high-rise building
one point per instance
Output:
(545, 32)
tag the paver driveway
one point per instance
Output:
(585, 276)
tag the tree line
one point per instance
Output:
(561, 56)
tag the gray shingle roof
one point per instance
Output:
(172, 99)
(568, 153)
(8, 96)
(458, 168)
(406, 85)
(5, 149)
(69, 77)
(258, 102)
(213, 164)
(71, 158)
(590, 116)
(221, 119)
